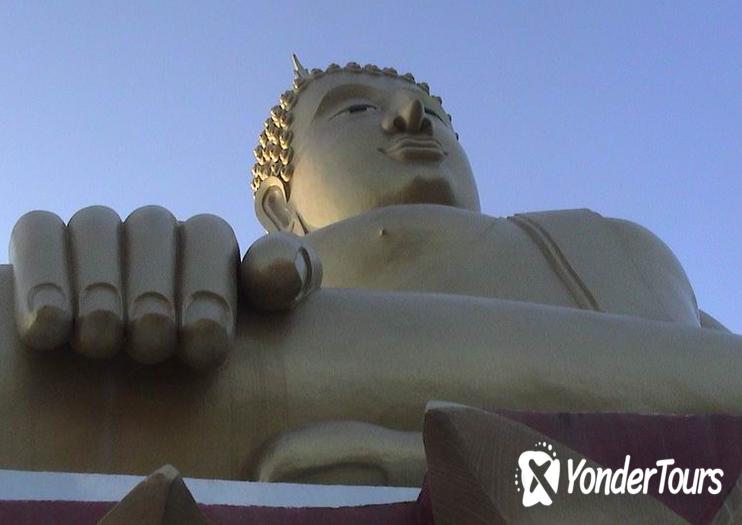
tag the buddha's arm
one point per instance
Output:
(383, 355)
(348, 354)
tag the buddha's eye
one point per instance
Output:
(354, 109)
(359, 108)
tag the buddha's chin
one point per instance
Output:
(422, 190)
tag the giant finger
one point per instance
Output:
(208, 290)
(38, 253)
(151, 252)
(95, 249)
(279, 271)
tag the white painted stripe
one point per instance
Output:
(55, 486)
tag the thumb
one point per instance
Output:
(279, 271)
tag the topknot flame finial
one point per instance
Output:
(299, 70)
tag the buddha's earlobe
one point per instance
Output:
(273, 209)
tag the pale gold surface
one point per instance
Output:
(149, 284)
(424, 298)
(43, 295)
(344, 452)
(97, 278)
(274, 152)
(350, 355)
(279, 271)
(362, 141)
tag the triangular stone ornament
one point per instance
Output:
(161, 499)
(730, 512)
(472, 457)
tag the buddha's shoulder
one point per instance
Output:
(647, 249)
(590, 227)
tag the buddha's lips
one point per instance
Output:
(415, 148)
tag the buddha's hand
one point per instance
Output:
(151, 285)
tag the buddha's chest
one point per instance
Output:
(448, 251)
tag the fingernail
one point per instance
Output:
(152, 329)
(302, 267)
(151, 303)
(100, 297)
(49, 320)
(310, 271)
(47, 295)
(100, 326)
(207, 307)
(207, 331)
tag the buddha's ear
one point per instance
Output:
(273, 209)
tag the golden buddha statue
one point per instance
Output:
(364, 188)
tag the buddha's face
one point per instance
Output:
(363, 141)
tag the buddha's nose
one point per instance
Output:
(407, 115)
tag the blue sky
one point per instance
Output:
(633, 109)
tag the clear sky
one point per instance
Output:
(633, 109)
